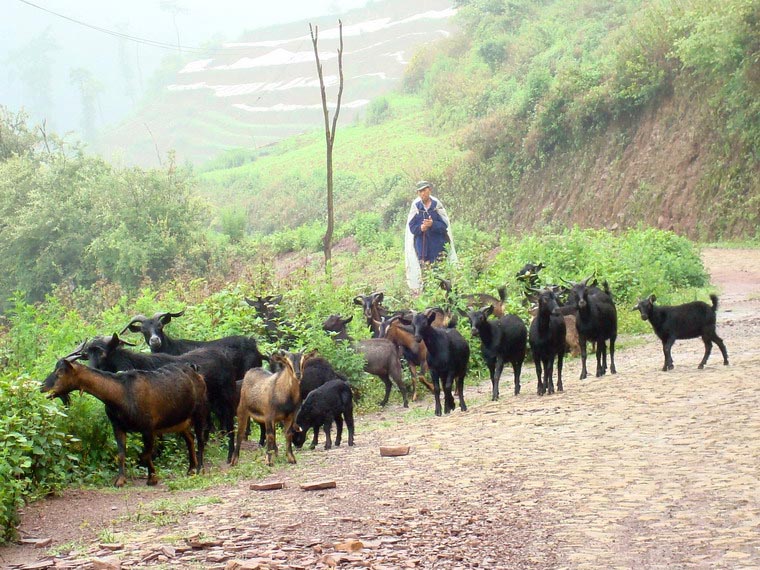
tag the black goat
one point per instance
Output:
(448, 357)
(214, 363)
(529, 274)
(330, 402)
(596, 320)
(380, 353)
(170, 399)
(502, 340)
(547, 342)
(243, 350)
(690, 320)
(266, 309)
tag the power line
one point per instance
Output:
(136, 39)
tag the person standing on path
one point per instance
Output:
(428, 231)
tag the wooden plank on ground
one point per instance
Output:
(317, 485)
(394, 450)
(271, 486)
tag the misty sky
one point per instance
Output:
(77, 46)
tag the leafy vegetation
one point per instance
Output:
(45, 446)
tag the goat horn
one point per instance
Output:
(137, 319)
(566, 281)
(77, 352)
(169, 314)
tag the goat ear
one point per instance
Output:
(431, 317)
(348, 320)
(462, 312)
(379, 297)
(166, 318)
(251, 302)
(275, 299)
(487, 311)
(652, 298)
(358, 300)
(113, 342)
(540, 266)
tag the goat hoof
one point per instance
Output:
(152, 480)
(725, 363)
(701, 367)
(120, 482)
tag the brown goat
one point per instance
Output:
(153, 402)
(270, 398)
(474, 301)
(414, 352)
(380, 353)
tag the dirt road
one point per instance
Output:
(644, 469)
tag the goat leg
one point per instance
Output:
(612, 355)
(121, 445)
(349, 417)
(708, 350)
(517, 369)
(338, 429)
(584, 373)
(448, 398)
(667, 346)
(271, 443)
(315, 437)
(540, 389)
(147, 457)
(496, 371)
(460, 392)
(242, 419)
(387, 382)
(436, 391)
(287, 429)
(560, 357)
(328, 439)
(192, 458)
(722, 347)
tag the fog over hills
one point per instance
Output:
(264, 87)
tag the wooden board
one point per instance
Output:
(394, 450)
(271, 486)
(317, 485)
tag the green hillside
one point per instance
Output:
(587, 111)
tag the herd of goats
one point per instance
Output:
(180, 383)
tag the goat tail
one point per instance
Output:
(502, 293)
(714, 299)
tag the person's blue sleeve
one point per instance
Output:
(415, 225)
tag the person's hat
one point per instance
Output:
(422, 184)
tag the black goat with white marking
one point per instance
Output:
(690, 320)
(331, 402)
(448, 357)
(502, 340)
(547, 342)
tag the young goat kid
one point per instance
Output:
(270, 398)
(330, 402)
(502, 340)
(690, 320)
(170, 399)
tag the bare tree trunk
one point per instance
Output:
(329, 136)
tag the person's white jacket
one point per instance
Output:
(413, 270)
